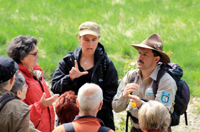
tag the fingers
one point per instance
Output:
(76, 64)
(73, 70)
(55, 96)
(131, 87)
(43, 96)
(52, 98)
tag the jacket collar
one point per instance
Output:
(153, 74)
(37, 71)
(88, 116)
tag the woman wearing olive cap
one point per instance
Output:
(88, 63)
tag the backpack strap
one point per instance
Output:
(135, 120)
(5, 99)
(69, 127)
(161, 72)
(103, 129)
(186, 122)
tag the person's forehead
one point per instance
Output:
(89, 36)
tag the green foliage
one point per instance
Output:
(2, 39)
(122, 22)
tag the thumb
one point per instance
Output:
(55, 96)
(43, 96)
(84, 73)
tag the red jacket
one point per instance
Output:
(42, 118)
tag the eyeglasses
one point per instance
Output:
(34, 54)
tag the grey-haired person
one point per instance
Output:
(88, 64)
(20, 89)
(154, 117)
(15, 114)
(89, 101)
(150, 53)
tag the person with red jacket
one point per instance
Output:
(24, 51)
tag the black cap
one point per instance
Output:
(8, 68)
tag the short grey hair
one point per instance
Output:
(154, 115)
(19, 83)
(20, 46)
(89, 97)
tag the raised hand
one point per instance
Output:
(75, 73)
(48, 101)
(131, 87)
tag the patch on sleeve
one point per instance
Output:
(165, 97)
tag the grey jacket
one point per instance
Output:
(15, 115)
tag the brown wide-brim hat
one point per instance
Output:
(153, 42)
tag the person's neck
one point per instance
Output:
(82, 113)
(147, 72)
(8, 87)
(87, 57)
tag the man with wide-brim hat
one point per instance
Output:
(139, 82)
(15, 114)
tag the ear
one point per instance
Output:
(79, 38)
(100, 106)
(77, 103)
(18, 93)
(157, 58)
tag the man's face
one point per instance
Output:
(146, 59)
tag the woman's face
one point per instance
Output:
(22, 94)
(89, 44)
(31, 59)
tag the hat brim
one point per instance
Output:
(164, 58)
(84, 32)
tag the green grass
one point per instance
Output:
(55, 24)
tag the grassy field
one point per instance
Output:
(55, 24)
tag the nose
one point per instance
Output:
(139, 56)
(90, 43)
(37, 55)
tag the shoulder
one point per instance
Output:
(131, 73)
(17, 108)
(59, 129)
(168, 77)
(68, 59)
(18, 104)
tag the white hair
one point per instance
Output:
(89, 97)
(154, 115)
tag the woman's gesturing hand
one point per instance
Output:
(48, 101)
(75, 73)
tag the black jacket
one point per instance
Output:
(103, 74)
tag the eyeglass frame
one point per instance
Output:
(34, 54)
